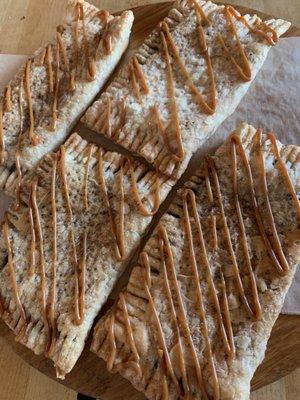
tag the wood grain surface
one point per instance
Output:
(35, 21)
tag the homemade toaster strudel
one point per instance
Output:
(198, 310)
(82, 213)
(40, 106)
(188, 76)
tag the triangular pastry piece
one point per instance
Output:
(40, 106)
(198, 310)
(188, 76)
(82, 214)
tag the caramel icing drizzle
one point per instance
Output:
(280, 262)
(32, 137)
(48, 59)
(104, 122)
(80, 284)
(284, 266)
(272, 40)
(118, 234)
(138, 78)
(283, 170)
(112, 340)
(56, 89)
(52, 301)
(90, 61)
(12, 274)
(32, 261)
(257, 307)
(136, 193)
(7, 96)
(244, 69)
(181, 314)
(182, 365)
(130, 334)
(174, 125)
(208, 108)
(255, 310)
(86, 174)
(39, 234)
(161, 337)
(225, 328)
(2, 142)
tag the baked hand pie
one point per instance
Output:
(198, 310)
(188, 76)
(82, 213)
(41, 105)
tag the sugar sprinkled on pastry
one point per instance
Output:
(53, 88)
(188, 76)
(82, 213)
(198, 310)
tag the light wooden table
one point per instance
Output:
(24, 25)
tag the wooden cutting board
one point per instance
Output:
(90, 376)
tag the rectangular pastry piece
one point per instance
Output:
(82, 213)
(187, 77)
(198, 310)
(40, 106)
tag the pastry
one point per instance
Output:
(198, 310)
(82, 213)
(40, 106)
(188, 76)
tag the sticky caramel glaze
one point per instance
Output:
(208, 108)
(129, 333)
(211, 199)
(56, 89)
(137, 196)
(272, 40)
(161, 337)
(270, 218)
(32, 137)
(12, 274)
(226, 334)
(253, 312)
(181, 314)
(39, 234)
(281, 268)
(112, 340)
(32, 260)
(62, 166)
(182, 365)
(2, 142)
(138, 78)
(257, 312)
(86, 175)
(173, 108)
(18, 155)
(80, 284)
(144, 260)
(7, 97)
(200, 302)
(283, 170)
(118, 234)
(243, 70)
(52, 294)
(90, 61)
(48, 59)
